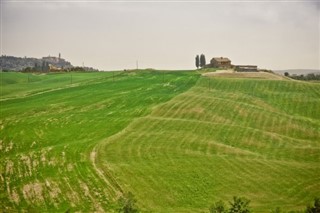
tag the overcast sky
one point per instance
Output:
(112, 35)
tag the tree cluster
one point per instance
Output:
(308, 77)
(200, 61)
(237, 205)
(241, 205)
(44, 67)
(77, 69)
(127, 204)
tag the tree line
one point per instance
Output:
(241, 205)
(45, 67)
(308, 77)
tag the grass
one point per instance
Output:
(175, 141)
(46, 138)
(14, 84)
(244, 137)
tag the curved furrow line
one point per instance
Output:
(276, 110)
(262, 132)
(182, 107)
(173, 151)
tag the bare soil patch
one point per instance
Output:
(33, 192)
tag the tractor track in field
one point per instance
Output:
(249, 75)
(35, 93)
(105, 176)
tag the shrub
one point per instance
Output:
(315, 208)
(218, 207)
(127, 203)
(239, 205)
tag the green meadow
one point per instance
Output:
(178, 141)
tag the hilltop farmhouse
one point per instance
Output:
(220, 62)
(225, 63)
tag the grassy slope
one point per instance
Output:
(244, 137)
(15, 84)
(48, 132)
(254, 138)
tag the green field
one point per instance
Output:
(178, 141)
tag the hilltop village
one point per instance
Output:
(44, 64)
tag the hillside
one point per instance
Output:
(47, 135)
(177, 140)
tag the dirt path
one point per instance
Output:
(254, 75)
(107, 178)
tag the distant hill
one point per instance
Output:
(13, 63)
(298, 71)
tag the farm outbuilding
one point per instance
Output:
(246, 68)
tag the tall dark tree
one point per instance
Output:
(197, 61)
(36, 67)
(47, 67)
(202, 60)
(43, 66)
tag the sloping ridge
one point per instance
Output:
(102, 169)
(245, 138)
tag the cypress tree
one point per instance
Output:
(197, 61)
(202, 60)
(43, 66)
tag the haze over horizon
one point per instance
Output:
(113, 35)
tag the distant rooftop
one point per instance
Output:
(221, 59)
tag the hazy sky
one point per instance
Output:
(112, 35)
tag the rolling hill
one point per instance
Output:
(178, 141)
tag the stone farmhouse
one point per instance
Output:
(220, 62)
(225, 63)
